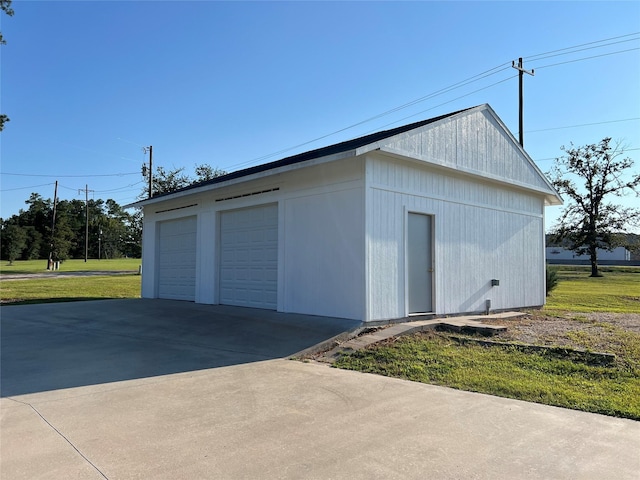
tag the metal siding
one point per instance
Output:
(324, 253)
(475, 142)
(481, 232)
(207, 247)
(149, 238)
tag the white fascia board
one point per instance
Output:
(551, 197)
(242, 179)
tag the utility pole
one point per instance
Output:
(150, 150)
(53, 227)
(86, 231)
(522, 71)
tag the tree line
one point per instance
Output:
(112, 231)
(32, 234)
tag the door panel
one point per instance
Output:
(419, 263)
(249, 257)
(177, 259)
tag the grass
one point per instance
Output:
(506, 372)
(40, 266)
(65, 289)
(617, 291)
(534, 376)
(70, 289)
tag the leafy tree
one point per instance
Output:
(206, 172)
(165, 181)
(590, 221)
(14, 240)
(5, 6)
(34, 245)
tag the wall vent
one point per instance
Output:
(177, 208)
(248, 194)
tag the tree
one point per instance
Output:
(165, 181)
(14, 241)
(113, 232)
(5, 6)
(206, 172)
(590, 221)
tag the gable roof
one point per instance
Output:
(338, 149)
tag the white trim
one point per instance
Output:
(243, 179)
(441, 198)
(551, 198)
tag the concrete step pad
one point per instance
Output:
(458, 324)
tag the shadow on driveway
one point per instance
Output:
(63, 345)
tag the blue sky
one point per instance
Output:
(87, 84)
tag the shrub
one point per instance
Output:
(552, 279)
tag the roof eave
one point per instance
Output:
(194, 190)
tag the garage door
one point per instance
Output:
(249, 257)
(177, 259)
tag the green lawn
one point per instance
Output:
(541, 377)
(61, 289)
(437, 359)
(40, 266)
(70, 289)
(617, 291)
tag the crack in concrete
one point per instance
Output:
(63, 436)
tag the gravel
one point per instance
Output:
(576, 330)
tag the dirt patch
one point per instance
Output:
(594, 331)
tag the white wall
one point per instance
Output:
(473, 142)
(321, 227)
(482, 232)
(324, 256)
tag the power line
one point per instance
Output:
(532, 57)
(69, 176)
(24, 188)
(68, 188)
(444, 103)
(583, 49)
(442, 91)
(121, 188)
(553, 158)
(460, 84)
(587, 58)
(582, 125)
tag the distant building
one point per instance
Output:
(558, 254)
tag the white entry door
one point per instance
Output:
(420, 263)
(249, 257)
(177, 259)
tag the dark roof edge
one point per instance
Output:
(313, 154)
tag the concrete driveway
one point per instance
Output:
(65, 345)
(160, 389)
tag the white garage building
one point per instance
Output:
(440, 216)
